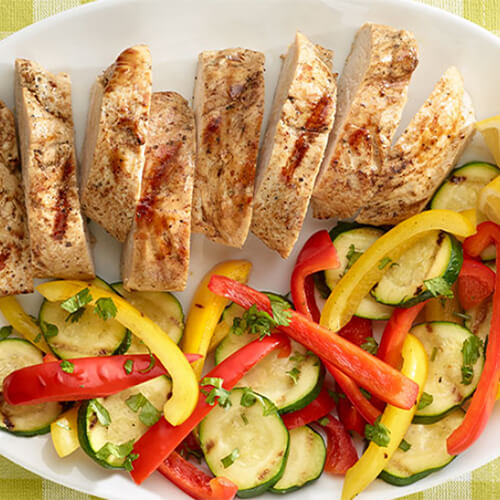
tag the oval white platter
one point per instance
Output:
(85, 40)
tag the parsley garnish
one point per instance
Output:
(148, 415)
(101, 412)
(434, 353)
(281, 311)
(152, 362)
(187, 452)
(370, 345)
(298, 357)
(67, 366)
(119, 451)
(37, 338)
(48, 329)
(244, 418)
(105, 308)
(425, 400)
(74, 317)
(127, 465)
(230, 459)
(365, 393)
(378, 433)
(5, 331)
(128, 366)
(294, 374)
(471, 351)
(404, 445)
(352, 257)
(439, 287)
(324, 421)
(81, 299)
(336, 396)
(218, 392)
(249, 398)
(383, 263)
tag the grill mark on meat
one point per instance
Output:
(3, 258)
(63, 207)
(316, 122)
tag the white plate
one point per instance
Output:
(85, 40)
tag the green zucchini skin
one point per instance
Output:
(450, 275)
(269, 467)
(443, 342)
(310, 461)
(427, 453)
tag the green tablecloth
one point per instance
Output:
(19, 484)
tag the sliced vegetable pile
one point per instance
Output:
(292, 382)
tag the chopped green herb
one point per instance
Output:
(244, 418)
(148, 415)
(425, 400)
(281, 311)
(370, 345)
(352, 257)
(439, 287)
(471, 351)
(34, 319)
(298, 357)
(404, 445)
(127, 465)
(105, 308)
(37, 338)
(117, 450)
(378, 433)
(324, 421)
(230, 459)
(74, 317)
(152, 362)
(365, 393)
(101, 412)
(464, 316)
(218, 392)
(128, 366)
(136, 401)
(434, 353)
(249, 398)
(187, 452)
(383, 263)
(336, 396)
(294, 374)
(5, 331)
(81, 299)
(48, 329)
(67, 366)
(63, 425)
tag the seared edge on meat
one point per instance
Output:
(228, 106)
(57, 230)
(156, 252)
(16, 274)
(113, 154)
(371, 95)
(424, 155)
(295, 140)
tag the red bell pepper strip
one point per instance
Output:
(483, 399)
(350, 417)
(317, 254)
(340, 452)
(357, 330)
(395, 333)
(476, 282)
(162, 438)
(85, 378)
(194, 482)
(315, 410)
(369, 372)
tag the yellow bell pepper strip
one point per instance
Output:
(207, 308)
(64, 432)
(184, 384)
(397, 421)
(22, 323)
(498, 392)
(367, 271)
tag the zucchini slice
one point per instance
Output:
(460, 191)
(351, 240)
(88, 336)
(443, 342)
(162, 307)
(23, 420)
(289, 382)
(245, 445)
(125, 424)
(427, 453)
(306, 460)
(436, 255)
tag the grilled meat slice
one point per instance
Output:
(57, 231)
(294, 144)
(371, 95)
(228, 106)
(156, 252)
(113, 154)
(16, 274)
(424, 155)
